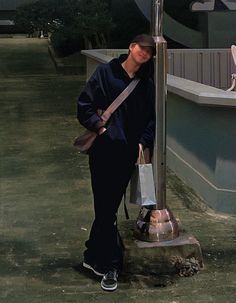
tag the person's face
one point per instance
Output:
(140, 54)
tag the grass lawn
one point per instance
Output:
(24, 56)
(42, 177)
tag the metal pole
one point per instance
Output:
(160, 74)
(162, 225)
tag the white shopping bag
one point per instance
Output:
(142, 188)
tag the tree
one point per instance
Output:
(89, 18)
(24, 18)
(94, 22)
(129, 22)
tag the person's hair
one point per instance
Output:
(146, 70)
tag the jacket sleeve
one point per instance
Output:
(87, 104)
(148, 136)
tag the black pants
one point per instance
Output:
(111, 165)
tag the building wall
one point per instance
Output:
(11, 5)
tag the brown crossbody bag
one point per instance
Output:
(84, 142)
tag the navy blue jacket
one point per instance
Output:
(134, 120)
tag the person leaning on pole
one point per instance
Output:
(114, 153)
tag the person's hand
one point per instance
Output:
(101, 130)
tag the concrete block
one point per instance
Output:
(182, 255)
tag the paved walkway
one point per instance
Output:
(46, 207)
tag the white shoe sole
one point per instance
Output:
(91, 268)
(108, 288)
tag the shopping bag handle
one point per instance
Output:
(141, 158)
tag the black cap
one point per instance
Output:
(144, 40)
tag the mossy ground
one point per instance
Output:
(46, 200)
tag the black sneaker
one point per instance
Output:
(109, 280)
(95, 269)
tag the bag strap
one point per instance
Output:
(125, 206)
(118, 101)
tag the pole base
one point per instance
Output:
(156, 225)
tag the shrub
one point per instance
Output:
(66, 41)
